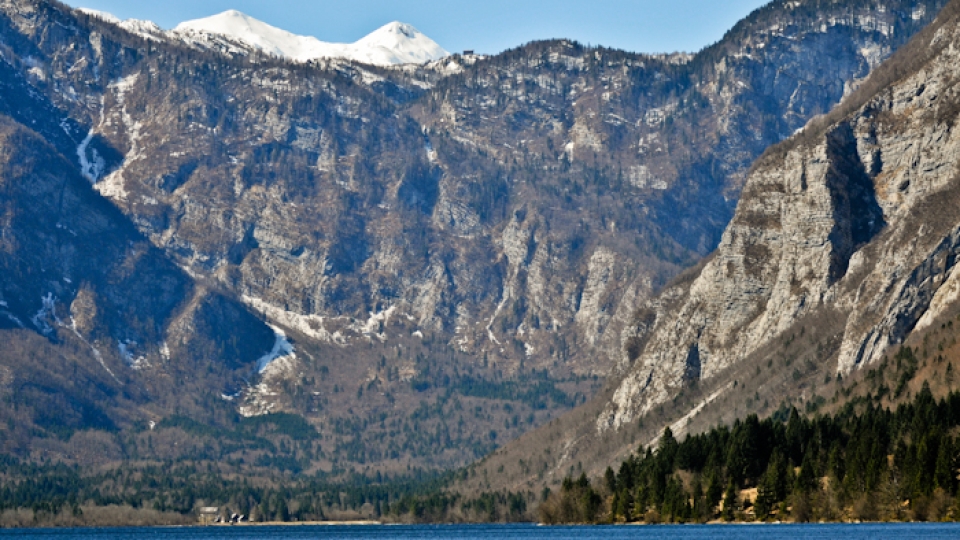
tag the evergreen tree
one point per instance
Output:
(714, 492)
(729, 502)
(773, 485)
(945, 473)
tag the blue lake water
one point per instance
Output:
(505, 532)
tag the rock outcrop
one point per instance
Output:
(853, 216)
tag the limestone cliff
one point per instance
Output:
(851, 215)
(843, 245)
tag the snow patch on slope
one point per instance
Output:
(272, 367)
(282, 350)
(41, 321)
(93, 166)
(145, 29)
(374, 325)
(112, 186)
(13, 318)
(102, 15)
(136, 362)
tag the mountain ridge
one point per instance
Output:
(392, 44)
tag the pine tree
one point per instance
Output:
(714, 493)
(773, 485)
(945, 473)
(729, 502)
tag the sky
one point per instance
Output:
(487, 27)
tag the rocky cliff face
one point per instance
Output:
(843, 244)
(851, 216)
(480, 228)
(667, 141)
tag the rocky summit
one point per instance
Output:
(424, 261)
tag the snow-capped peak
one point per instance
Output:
(252, 32)
(394, 43)
(398, 43)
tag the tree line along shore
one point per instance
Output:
(869, 460)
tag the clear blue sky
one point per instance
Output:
(488, 26)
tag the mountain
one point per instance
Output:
(843, 247)
(447, 253)
(84, 301)
(392, 44)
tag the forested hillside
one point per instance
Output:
(865, 462)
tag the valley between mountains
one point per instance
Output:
(261, 254)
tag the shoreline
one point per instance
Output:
(359, 523)
(370, 523)
(537, 524)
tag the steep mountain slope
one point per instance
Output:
(201, 168)
(658, 145)
(844, 242)
(851, 216)
(450, 250)
(96, 323)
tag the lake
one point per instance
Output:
(525, 532)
